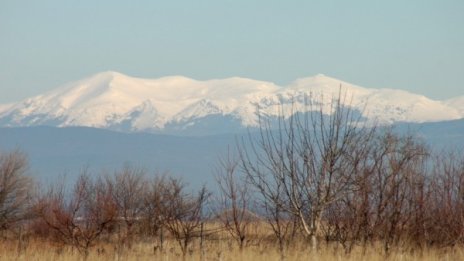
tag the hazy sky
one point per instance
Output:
(412, 45)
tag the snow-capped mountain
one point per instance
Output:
(457, 103)
(116, 101)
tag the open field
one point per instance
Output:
(215, 244)
(222, 250)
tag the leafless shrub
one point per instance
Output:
(446, 202)
(128, 188)
(80, 218)
(234, 199)
(15, 188)
(385, 199)
(155, 201)
(183, 212)
(398, 165)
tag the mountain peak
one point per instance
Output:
(107, 77)
(112, 74)
(321, 83)
(110, 99)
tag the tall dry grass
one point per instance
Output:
(224, 249)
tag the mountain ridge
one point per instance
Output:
(112, 100)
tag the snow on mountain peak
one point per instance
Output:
(114, 100)
(457, 103)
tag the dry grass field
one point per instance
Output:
(225, 250)
(41, 252)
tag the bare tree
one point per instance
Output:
(155, 202)
(397, 166)
(15, 188)
(284, 225)
(80, 218)
(384, 201)
(183, 212)
(234, 199)
(311, 158)
(128, 187)
(445, 224)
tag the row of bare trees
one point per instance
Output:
(125, 204)
(122, 208)
(324, 176)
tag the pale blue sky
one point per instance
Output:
(413, 45)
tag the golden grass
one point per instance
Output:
(219, 246)
(224, 250)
